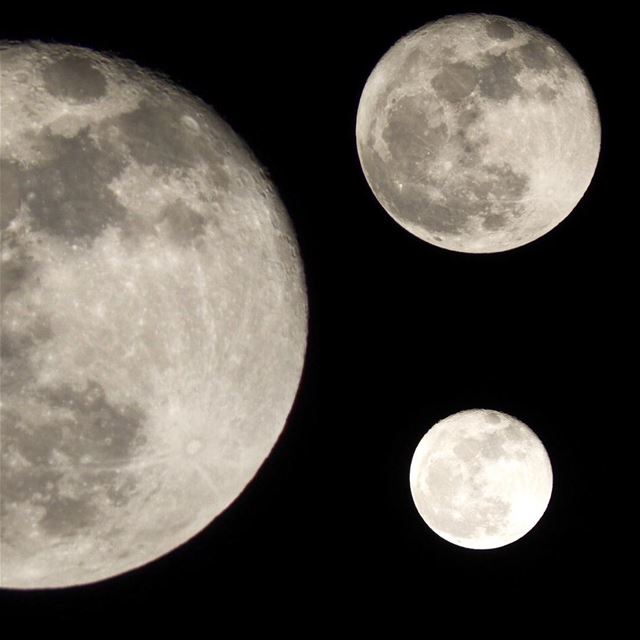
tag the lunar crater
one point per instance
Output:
(499, 29)
(75, 79)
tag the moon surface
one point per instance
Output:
(478, 133)
(154, 316)
(481, 479)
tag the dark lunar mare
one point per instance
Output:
(68, 195)
(70, 436)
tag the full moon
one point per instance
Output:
(154, 316)
(480, 479)
(478, 133)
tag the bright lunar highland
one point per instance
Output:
(478, 133)
(154, 316)
(481, 479)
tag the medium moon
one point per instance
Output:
(478, 133)
(154, 316)
(481, 479)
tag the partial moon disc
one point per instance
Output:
(154, 316)
(478, 133)
(481, 479)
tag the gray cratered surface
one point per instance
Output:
(153, 322)
(478, 133)
(480, 479)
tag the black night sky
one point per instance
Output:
(402, 334)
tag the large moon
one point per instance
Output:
(481, 479)
(478, 133)
(154, 316)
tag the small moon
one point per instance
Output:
(478, 133)
(481, 479)
(154, 316)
